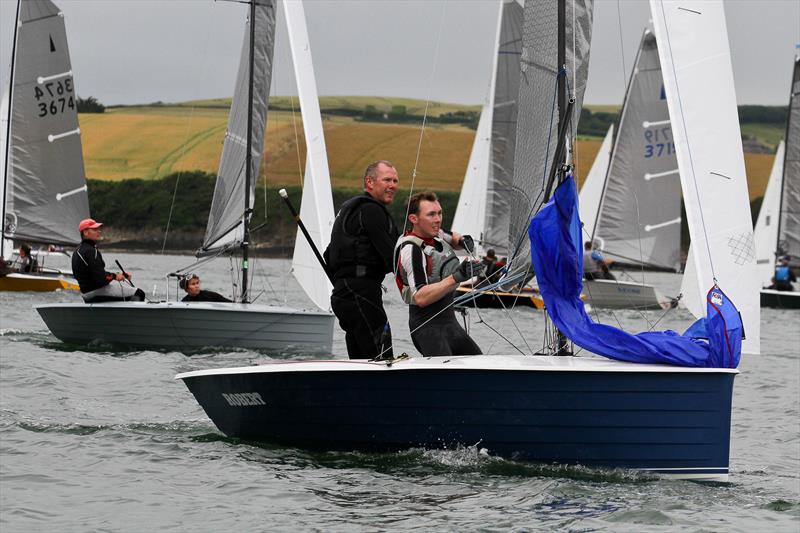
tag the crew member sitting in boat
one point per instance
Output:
(25, 262)
(191, 284)
(97, 285)
(595, 266)
(782, 281)
(428, 272)
(489, 265)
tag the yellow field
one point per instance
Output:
(152, 142)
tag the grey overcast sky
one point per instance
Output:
(140, 51)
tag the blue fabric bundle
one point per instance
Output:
(556, 250)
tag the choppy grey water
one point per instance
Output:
(97, 439)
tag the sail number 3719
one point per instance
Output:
(55, 98)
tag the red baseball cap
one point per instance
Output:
(88, 223)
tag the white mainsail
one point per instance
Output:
(483, 207)
(470, 214)
(316, 208)
(44, 184)
(698, 79)
(592, 189)
(639, 220)
(766, 230)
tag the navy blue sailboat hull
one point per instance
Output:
(673, 422)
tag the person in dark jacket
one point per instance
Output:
(358, 258)
(26, 263)
(191, 284)
(89, 269)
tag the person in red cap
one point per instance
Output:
(97, 284)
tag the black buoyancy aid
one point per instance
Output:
(351, 253)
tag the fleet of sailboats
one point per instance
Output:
(636, 407)
(547, 408)
(180, 325)
(43, 193)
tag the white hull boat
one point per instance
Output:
(615, 294)
(182, 326)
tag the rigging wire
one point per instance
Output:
(184, 146)
(425, 114)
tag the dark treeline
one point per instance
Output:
(89, 105)
(143, 207)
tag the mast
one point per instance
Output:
(249, 156)
(564, 113)
(6, 162)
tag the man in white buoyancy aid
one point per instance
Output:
(428, 273)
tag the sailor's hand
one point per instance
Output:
(468, 270)
(121, 276)
(468, 243)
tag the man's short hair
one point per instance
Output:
(490, 253)
(414, 201)
(372, 169)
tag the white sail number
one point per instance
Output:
(57, 95)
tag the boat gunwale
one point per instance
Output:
(189, 306)
(484, 363)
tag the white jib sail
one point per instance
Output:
(766, 232)
(316, 209)
(592, 189)
(698, 79)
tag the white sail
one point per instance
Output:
(592, 189)
(766, 232)
(639, 220)
(698, 79)
(471, 210)
(316, 209)
(483, 208)
(45, 185)
(789, 227)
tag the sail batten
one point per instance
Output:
(225, 228)
(45, 194)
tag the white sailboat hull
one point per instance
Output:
(188, 326)
(615, 294)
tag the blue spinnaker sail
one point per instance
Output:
(556, 250)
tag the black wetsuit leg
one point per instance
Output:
(443, 336)
(358, 304)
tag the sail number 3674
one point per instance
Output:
(55, 97)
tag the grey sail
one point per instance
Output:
(537, 119)
(639, 221)
(789, 224)
(225, 220)
(504, 128)
(45, 184)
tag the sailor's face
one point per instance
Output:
(428, 221)
(93, 234)
(384, 185)
(193, 287)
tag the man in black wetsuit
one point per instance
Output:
(428, 274)
(358, 258)
(97, 285)
(191, 284)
